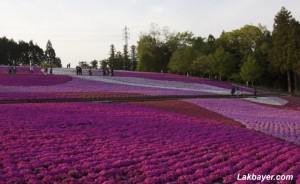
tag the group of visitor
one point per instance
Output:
(106, 72)
(78, 70)
(12, 70)
(235, 90)
(50, 71)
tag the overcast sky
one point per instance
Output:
(83, 30)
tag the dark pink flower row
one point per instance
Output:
(21, 70)
(33, 80)
(122, 143)
(7, 96)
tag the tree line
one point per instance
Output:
(251, 54)
(23, 53)
(117, 60)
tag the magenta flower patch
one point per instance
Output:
(33, 80)
(122, 143)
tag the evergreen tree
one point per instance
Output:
(126, 58)
(50, 56)
(36, 52)
(133, 58)
(280, 39)
(294, 50)
(119, 61)
(112, 57)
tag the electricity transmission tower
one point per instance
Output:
(126, 57)
(126, 35)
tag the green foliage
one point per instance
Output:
(21, 52)
(293, 50)
(203, 65)
(133, 58)
(151, 54)
(126, 58)
(50, 56)
(94, 64)
(112, 58)
(223, 63)
(284, 54)
(250, 70)
(146, 62)
(181, 60)
(250, 53)
(104, 63)
(82, 64)
(241, 42)
(280, 41)
(119, 61)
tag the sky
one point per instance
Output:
(83, 30)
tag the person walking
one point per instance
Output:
(31, 70)
(232, 90)
(254, 92)
(51, 71)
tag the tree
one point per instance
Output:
(146, 60)
(22, 52)
(294, 49)
(50, 54)
(222, 63)
(154, 48)
(203, 65)
(126, 58)
(250, 70)
(94, 64)
(83, 64)
(36, 52)
(181, 60)
(119, 62)
(280, 39)
(112, 57)
(104, 63)
(146, 54)
(133, 58)
(241, 43)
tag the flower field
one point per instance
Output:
(203, 140)
(131, 143)
(280, 123)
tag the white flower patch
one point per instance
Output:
(162, 84)
(142, 82)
